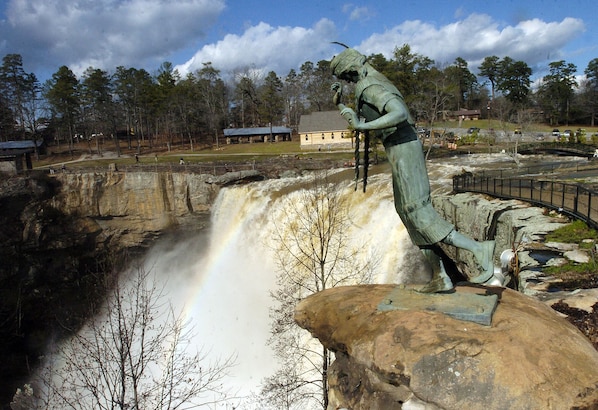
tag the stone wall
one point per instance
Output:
(511, 223)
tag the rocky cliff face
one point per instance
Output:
(509, 223)
(131, 208)
(46, 256)
(61, 233)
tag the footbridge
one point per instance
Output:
(541, 188)
(558, 148)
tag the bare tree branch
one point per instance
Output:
(135, 354)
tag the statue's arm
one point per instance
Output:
(347, 113)
(338, 95)
(395, 112)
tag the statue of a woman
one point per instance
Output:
(385, 114)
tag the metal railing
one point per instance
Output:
(575, 200)
(213, 168)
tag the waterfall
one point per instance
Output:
(228, 294)
(221, 280)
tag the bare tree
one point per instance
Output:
(502, 112)
(313, 252)
(135, 354)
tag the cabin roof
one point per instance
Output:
(322, 121)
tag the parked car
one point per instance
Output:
(567, 133)
(472, 130)
(556, 133)
(423, 132)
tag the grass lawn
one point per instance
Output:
(86, 155)
(82, 155)
(575, 275)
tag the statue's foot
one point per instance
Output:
(438, 284)
(441, 282)
(486, 263)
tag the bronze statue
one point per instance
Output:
(386, 115)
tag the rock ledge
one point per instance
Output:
(528, 358)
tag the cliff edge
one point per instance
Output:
(528, 358)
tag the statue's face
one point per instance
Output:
(347, 72)
(347, 64)
(353, 77)
(350, 76)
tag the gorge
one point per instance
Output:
(207, 234)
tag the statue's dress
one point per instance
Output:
(411, 186)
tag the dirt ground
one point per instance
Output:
(586, 322)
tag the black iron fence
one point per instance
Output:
(213, 169)
(575, 200)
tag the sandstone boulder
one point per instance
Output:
(528, 358)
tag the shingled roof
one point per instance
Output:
(322, 121)
(242, 132)
(26, 144)
(8, 148)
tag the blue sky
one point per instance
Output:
(237, 35)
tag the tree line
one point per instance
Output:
(166, 108)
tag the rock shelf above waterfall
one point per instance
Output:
(529, 358)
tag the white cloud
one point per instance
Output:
(144, 33)
(266, 48)
(357, 13)
(104, 33)
(360, 14)
(476, 37)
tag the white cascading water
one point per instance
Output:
(221, 281)
(228, 297)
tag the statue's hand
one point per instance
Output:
(352, 118)
(338, 89)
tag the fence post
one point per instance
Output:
(519, 187)
(589, 206)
